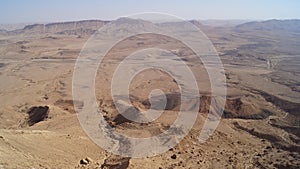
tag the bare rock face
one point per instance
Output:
(86, 161)
(173, 101)
(116, 162)
(37, 114)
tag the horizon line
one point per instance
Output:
(108, 20)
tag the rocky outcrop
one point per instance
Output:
(37, 114)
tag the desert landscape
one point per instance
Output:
(260, 126)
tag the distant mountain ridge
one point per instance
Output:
(81, 27)
(292, 25)
(90, 26)
(224, 23)
(71, 27)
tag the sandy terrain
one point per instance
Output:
(259, 129)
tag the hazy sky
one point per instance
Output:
(16, 11)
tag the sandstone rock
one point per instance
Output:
(174, 156)
(84, 161)
(89, 159)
